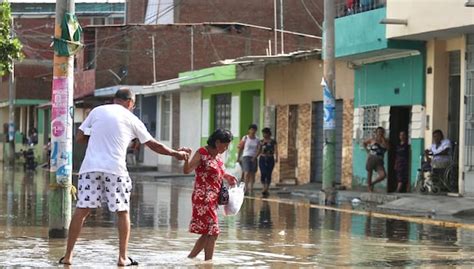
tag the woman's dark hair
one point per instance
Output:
(253, 126)
(380, 128)
(267, 130)
(224, 136)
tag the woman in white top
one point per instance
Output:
(248, 149)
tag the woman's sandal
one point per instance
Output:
(61, 261)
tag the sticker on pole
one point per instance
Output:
(329, 107)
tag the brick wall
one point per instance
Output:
(127, 50)
(347, 125)
(281, 137)
(259, 12)
(304, 144)
(136, 11)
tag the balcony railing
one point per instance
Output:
(350, 7)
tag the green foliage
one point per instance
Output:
(10, 48)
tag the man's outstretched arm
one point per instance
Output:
(164, 150)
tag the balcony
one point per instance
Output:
(351, 7)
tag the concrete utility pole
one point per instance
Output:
(154, 57)
(11, 108)
(11, 115)
(61, 133)
(329, 88)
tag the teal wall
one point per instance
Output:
(245, 91)
(376, 83)
(360, 33)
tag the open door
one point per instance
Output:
(399, 121)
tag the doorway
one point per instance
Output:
(454, 97)
(399, 121)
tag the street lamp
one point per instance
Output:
(469, 3)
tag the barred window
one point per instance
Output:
(222, 111)
(371, 120)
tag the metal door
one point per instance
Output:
(317, 141)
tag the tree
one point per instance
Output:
(10, 47)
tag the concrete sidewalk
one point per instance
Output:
(401, 203)
(460, 209)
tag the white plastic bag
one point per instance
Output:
(236, 198)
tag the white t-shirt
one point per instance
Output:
(251, 146)
(111, 128)
(445, 144)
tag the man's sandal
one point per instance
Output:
(132, 263)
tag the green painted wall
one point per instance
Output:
(245, 91)
(376, 83)
(360, 174)
(218, 73)
(360, 33)
(246, 111)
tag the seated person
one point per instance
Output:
(439, 155)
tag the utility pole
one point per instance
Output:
(275, 26)
(11, 107)
(329, 91)
(11, 115)
(61, 132)
(281, 28)
(192, 48)
(154, 59)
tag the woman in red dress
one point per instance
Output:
(209, 176)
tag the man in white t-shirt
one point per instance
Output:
(103, 176)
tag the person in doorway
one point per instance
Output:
(132, 151)
(402, 160)
(248, 149)
(268, 156)
(103, 175)
(210, 173)
(376, 148)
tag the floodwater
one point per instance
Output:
(265, 233)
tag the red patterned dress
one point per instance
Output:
(206, 193)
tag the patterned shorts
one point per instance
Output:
(95, 188)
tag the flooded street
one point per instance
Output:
(264, 234)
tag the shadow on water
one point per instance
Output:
(263, 234)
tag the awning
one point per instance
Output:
(169, 85)
(110, 91)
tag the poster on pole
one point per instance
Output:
(329, 107)
(61, 129)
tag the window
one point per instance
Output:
(165, 117)
(371, 120)
(89, 50)
(222, 111)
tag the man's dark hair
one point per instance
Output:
(224, 136)
(438, 131)
(124, 94)
(253, 126)
(267, 130)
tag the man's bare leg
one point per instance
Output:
(80, 215)
(124, 235)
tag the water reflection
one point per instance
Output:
(265, 233)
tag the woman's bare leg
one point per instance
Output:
(209, 248)
(198, 246)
